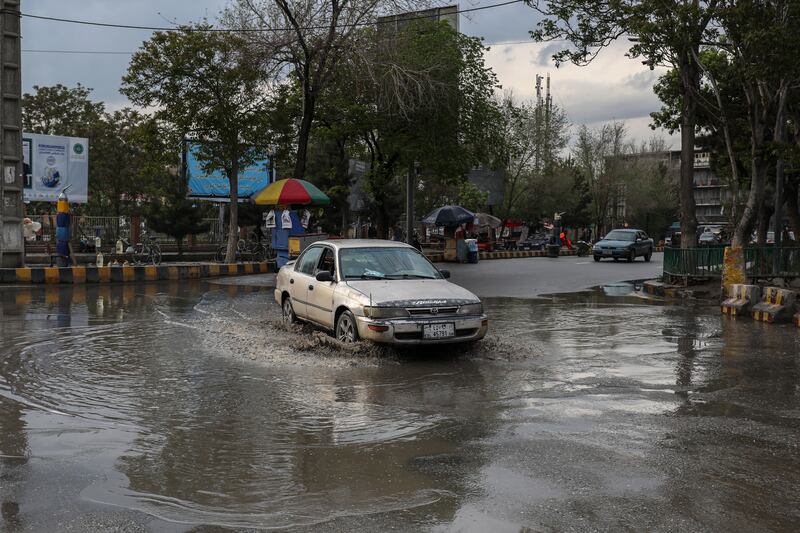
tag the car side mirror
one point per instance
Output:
(445, 274)
(638, 239)
(324, 275)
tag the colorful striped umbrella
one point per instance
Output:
(290, 192)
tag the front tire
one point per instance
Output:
(287, 311)
(346, 330)
(632, 256)
(648, 255)
(597, 259)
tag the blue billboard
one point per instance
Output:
(214, 184)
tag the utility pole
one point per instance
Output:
(12, 245)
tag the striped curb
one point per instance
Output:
(656, 288)
(127, 274)
(740, 299)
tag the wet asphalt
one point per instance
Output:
(189, 407)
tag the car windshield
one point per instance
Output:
(385, 263)
(621, 236)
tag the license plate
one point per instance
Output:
(438, 331)
(606, 252)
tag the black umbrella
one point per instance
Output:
(449, 216)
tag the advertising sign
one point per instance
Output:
(214, 185)
(52, 162)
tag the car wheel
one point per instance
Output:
(287, 311)
(648, 255)
(632, 256)
(346, 330)
(597, 259)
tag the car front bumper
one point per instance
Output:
(408, 331)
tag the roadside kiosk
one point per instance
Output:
(288, 229)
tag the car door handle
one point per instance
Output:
(311, 287)
(291, 281)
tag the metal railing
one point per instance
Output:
(109, 229)
(707, 261)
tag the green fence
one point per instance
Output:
(707, 261)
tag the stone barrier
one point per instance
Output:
(741, 299)
(776, 305)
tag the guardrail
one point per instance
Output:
(707, 262)
(109, 229)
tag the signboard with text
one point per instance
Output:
(52, 162)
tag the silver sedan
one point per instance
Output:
(383, 291)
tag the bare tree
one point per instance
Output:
(599, 156)
(532, 140)
(307, 39)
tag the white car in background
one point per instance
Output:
(383, 291)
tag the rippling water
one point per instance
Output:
(192, 404)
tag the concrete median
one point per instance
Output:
(776, 305)
(741, 298)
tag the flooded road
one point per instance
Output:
(190, 408)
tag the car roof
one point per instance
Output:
(627, 230)
(364, 243)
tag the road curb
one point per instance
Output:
(505, 254)
(127, 274)
(665, 290)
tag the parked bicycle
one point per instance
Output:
(249, 249)
(146, 252)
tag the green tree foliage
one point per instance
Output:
(60, 110)
(418, 96)
(206, 85)
(471, 197)
(532, 137)
(664, 32)
(748, 84)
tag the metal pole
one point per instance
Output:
(410, 204)
(12, 245)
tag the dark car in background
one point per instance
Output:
(624, 244)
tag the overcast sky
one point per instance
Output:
(612, 88)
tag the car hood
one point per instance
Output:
(614, 244)
(413, 292)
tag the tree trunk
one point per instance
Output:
(792, 207)
(741, 234)
(233, 219)
(764, 216)
(690, 84)
(304, 135)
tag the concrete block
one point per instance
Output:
(776, 305)
(740, 299)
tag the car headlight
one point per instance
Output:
(384, 312)
(471, 309)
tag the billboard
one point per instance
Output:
(214, 185)
(52, 162)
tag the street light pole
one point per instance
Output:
(410, 184)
